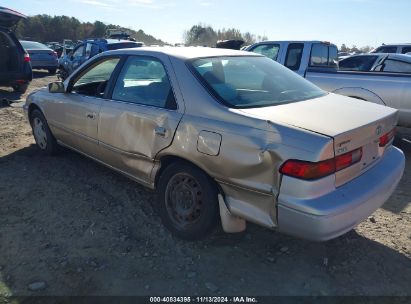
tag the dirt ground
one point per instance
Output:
(69, 226)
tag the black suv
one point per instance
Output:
(15, 67)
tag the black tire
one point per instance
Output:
(52, 71)
(48, 144)
(21, 88)
(188, 201)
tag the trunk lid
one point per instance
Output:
(41, 55)
(9, 18)
(350, 122)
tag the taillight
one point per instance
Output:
(386, 138)
(310, 170)
(54, 54)
(26, 57)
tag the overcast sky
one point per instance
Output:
(359, 22)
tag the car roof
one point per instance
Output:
(294, 41)
(396, 44)
(185, 52)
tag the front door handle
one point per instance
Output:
(91, 115)
(160, 131)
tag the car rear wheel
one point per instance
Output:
(188, 203)
(21, 88)
(42, 134)
(52, 71)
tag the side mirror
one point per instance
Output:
(57, 87)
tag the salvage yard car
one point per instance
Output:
(15, 67)
(388, 84)
(42, 57)
(88, 49)
(225, 133)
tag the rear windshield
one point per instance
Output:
(249, 82)
(31, 45)
(125, 45)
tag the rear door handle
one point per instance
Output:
(91, 115)
(160, 131)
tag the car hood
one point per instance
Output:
(329, 115)
(9, 18)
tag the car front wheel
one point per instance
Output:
(188, 203)
(42, 134)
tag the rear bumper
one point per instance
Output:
(45, 66)
(355, 201)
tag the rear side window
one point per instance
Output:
(358, 63)
(294, 54)
(397, 66)
(323, 55)
(386, 49)
(268, 50)
(144, 80)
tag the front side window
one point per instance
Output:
(293, 57)
(144, 80)
(268, 50)
(358, 63)
(79, 51)
(249, 82)
(94, 81)
(396, 66)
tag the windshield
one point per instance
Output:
(249, 82)
(31, 45)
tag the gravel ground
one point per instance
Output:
(70, 226)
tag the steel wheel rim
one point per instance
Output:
(40, 134)
(184, 200)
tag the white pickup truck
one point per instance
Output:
(317, 61)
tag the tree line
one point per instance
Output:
(355, 49)
(45, 28)
(205, 35)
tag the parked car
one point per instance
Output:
(295, 55)
(15, 67)
(393, 48)
(225, 133)
(394, 63)
(229, 44)
(317, 61)
(42, 57)
(88, 49)
(55, 46)
(343, 55)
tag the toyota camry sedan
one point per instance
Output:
(225, 137)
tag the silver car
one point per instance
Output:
(229, 134)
